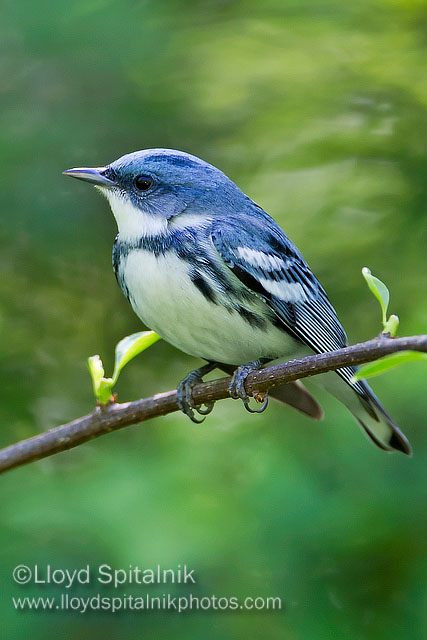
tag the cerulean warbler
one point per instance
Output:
(213, 274)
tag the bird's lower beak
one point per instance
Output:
(95, 176)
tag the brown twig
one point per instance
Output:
(117, 416)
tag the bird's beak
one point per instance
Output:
(95, 176)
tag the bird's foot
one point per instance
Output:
(184, 394)
(237, 386)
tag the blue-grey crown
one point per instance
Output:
(170, 166)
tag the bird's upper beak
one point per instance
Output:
(95, 176)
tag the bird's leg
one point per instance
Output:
(184, 395)
(237, 385)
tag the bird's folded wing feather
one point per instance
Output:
(262, 257)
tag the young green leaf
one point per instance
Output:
(96, 371)
(130, 347)
(101, 386)
(379, 290)
(382, 365)
(126, 349)
(392, 325)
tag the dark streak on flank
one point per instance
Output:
(255, 321)
(203, 286)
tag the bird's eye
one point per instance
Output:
(143, 183)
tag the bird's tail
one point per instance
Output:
(368, 411)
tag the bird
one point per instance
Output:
(214, 275)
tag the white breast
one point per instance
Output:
(164, 297)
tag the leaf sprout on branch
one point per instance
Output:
(390, 326)
(125, 351)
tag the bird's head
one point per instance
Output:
(151, 189)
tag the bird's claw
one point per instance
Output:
(237, 386)
(184, 398)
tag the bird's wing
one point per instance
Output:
(259, 253)
(261, 256)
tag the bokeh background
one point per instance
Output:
(317, 109)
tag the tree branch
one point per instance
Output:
(117, 416)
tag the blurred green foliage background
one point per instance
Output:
(317, 109)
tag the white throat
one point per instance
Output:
(131, 221)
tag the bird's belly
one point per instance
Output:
(164, 297)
